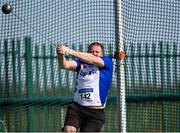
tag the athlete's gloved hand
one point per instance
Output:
(61, 49)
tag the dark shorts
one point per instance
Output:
(88, 120)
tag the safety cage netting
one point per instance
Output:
(35, 91)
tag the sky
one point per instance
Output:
(65, 21)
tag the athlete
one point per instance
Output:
(94, 75)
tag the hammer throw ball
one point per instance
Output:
(6, 8)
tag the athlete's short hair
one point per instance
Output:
(96, 44)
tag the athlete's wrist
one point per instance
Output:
(69, 51)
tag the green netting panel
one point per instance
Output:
(34, 91)
(151, 40)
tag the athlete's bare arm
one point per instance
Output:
(90, 58)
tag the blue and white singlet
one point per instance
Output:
(92, 83)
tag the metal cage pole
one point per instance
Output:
(120, 54)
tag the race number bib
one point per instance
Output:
(86, 94)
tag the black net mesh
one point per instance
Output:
(34, 91)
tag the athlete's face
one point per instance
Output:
(96, 51)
